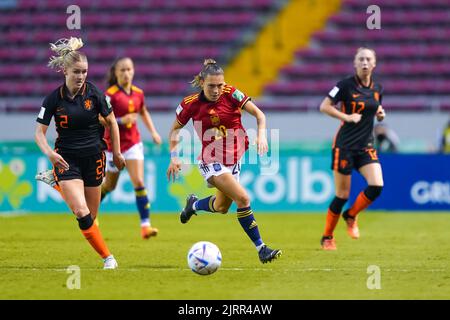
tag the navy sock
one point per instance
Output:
(206, 204)
(248, 223)
(143, 205)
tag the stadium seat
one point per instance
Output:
(168, 40)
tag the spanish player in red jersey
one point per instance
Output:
(128, 102)
(353, 147)
(216, 113)
(78, 159)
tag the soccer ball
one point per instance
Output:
(204, 258)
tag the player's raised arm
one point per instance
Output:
(111, 125)
(330, 109)
(148, 122)
(381, 114)
(261, 140)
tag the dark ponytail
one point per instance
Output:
(210, 67)
(111, 78)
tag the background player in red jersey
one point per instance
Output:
(78, 159)
(128, 102)
(216, 112)
(353, 147)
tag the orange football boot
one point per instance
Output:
(328, 243)
(352, 225)
(147, 232)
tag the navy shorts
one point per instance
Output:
(90, 169)
(344, 161)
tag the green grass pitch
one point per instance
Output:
(411, 250)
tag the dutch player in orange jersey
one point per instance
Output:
(78, 159)
(360, 98)
(216, 113)
(128, 102)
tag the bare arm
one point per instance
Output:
(111, 125)
(380, 114)
(175, 163)
(328, 108)
(261, 139)
(41, 140)
(147, 119)
(102, 121)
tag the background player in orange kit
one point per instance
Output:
(128, 101)
(78, 159)
(353, 145)
(216, 112)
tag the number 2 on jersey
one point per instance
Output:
(63, 121)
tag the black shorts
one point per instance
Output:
(90, 169)
(344, 161)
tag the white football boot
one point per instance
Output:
(46, 177)
(110, 263)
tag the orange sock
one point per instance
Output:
(330, 225)
(361, 203)
(95, 238)
(57, 188)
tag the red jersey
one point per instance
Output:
(218, 124)
(122, 104)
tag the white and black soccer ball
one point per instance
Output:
(204, 258)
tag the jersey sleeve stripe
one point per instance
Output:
(336, 159)
(244, 102)
(190, 99)
(112, 90)
(179, 122)
(133, 87)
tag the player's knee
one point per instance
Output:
(373, 192)
(79, 210)
(243, 201)
(343, 194)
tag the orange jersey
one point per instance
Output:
(218, 124)
(123, 104)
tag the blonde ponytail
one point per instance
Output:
(67, 54)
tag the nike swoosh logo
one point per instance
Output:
(355, 95)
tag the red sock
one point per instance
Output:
(330, 225)
(361, 203)
(95, 238)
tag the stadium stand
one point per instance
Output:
(413, 53)
(167, 39)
